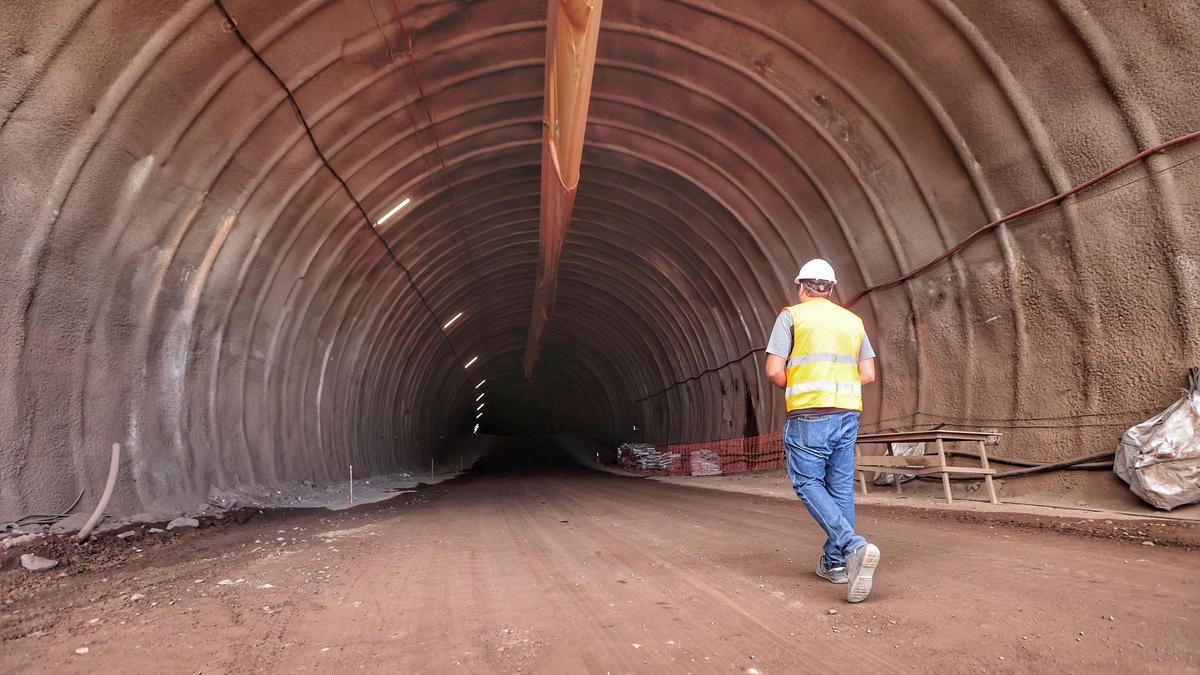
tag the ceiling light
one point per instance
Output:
(394, 211)
(471, 362)
(476, 429)
(481, 406)
(479, 415)
(480, 397)
(451, 321)
(481, 383)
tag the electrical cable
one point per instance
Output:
(325, 161)
(41, 518)
(1028, 210)
(1050, 201)
(1041, 468)
(437, 141)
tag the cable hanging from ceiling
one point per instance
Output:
(337, 176)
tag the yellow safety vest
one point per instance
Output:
(822, 370)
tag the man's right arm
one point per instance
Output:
(866, 370)
(866, 361)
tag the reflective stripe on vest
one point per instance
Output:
(822, 370)
(815, 358)
(837, 387)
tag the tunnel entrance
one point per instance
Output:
(262, 243)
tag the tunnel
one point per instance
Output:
(260, 242)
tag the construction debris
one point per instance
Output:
(706, 463)
(644, 457)
(183, 522)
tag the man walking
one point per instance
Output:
(820, 356)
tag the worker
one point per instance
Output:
(820, 356)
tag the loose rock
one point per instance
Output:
(35, 563)
(126, 535)
(183, 522)
(17, 541)
(82, 651)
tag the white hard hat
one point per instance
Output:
(818, 270)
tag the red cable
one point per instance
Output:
(960, 245)
(437, 141)
(1023, 212)
(412, 62)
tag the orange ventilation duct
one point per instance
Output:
(572, 29)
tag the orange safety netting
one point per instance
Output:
(736, 454)
(572, 30)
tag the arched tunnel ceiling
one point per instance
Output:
(182, 273)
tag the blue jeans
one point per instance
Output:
(820, 463)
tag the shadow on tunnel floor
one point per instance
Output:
(524, 455)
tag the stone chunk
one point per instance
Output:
(35, 563)
(17, 541)
(183, 522)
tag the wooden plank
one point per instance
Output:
(922, 471)
(964, 470)
(987, 478)
(862, 476)
(927, 435)
(945, 476)
(888, 460)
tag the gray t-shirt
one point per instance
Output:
(780, 343)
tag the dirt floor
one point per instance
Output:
(507, 570)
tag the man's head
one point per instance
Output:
(816, 279)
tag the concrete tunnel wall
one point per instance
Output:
(180, 273)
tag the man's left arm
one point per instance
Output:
(779, 346)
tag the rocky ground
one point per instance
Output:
(512, 569)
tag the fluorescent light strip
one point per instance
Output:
(471, 362)
(479, 415)
(394, 211)
(481, 406)
(481, 383)
(451, 321)
(480, 397)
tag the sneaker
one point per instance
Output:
(835, 574)
(862, 562)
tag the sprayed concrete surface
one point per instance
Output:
(183, 273)
(571, 571)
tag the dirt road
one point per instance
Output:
(574, 571)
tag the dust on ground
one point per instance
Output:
(567, 571)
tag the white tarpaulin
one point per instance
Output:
(900, 450)
(1160, 458)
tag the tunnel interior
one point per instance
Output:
(203, 258)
